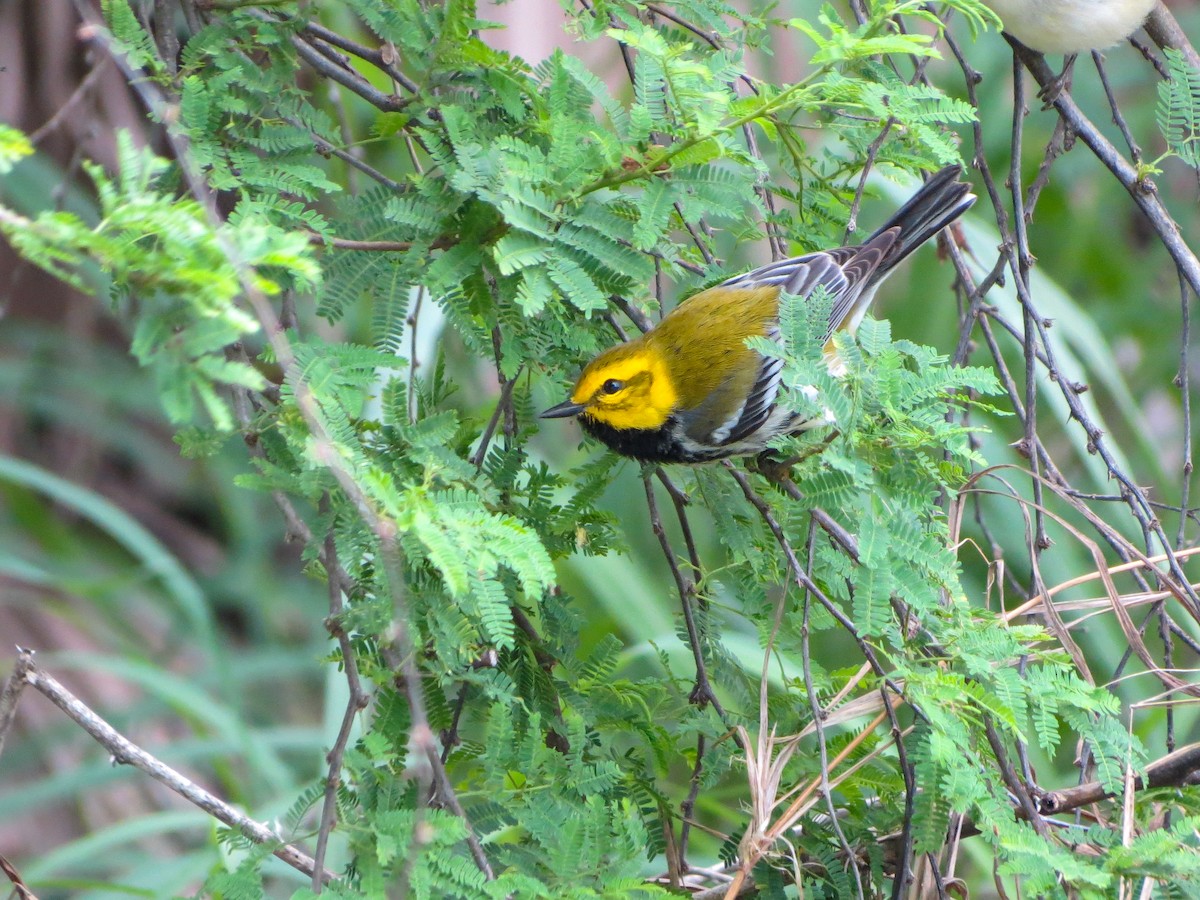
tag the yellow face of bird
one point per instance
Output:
(627, 387)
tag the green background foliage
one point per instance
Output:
(349, 286)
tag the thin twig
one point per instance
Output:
(323, 146)
(125, 752)
(347, 78)
(376, 246)
(375, 57)
(702, 693)
(449, 737)
(503, 402)
(1135, 152)
(355, 703)
(19, 886)
(1178, 769)
(687, 808)
(680, 499)
(63, 113)
(11, 695)
(818, 715)
(1142, 191)
(1165, 31)
(805, 583)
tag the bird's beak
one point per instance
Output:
(564, 409)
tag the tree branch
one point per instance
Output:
(1178, 769)
(125, 752)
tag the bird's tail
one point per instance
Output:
(941, 200)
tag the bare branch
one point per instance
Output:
(125, 752)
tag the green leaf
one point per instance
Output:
(14, 146)
(1178, 109)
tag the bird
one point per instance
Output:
(1071, 26)
(690, 390)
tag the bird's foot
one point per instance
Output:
(779, 471)
(1062, 82)
(771, 467)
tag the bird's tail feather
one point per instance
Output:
(941, 200)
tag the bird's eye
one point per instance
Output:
(612, 386)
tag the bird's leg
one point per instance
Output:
(1061, 82)
(1051, 91)
(779, 474)
(772, 468)
(768, 465)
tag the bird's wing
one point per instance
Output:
(845, 273)
(760, 401)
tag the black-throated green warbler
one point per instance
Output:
(690, 390)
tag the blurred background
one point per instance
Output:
(170, 600)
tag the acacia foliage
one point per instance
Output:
(519, 200)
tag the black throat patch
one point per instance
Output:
(659, 445)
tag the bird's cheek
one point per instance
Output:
(629, 414)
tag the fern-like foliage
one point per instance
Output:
(515, 201)
(1178, 109)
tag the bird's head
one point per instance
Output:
(627, 387)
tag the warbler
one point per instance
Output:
(1071, 26)
(690, 390)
